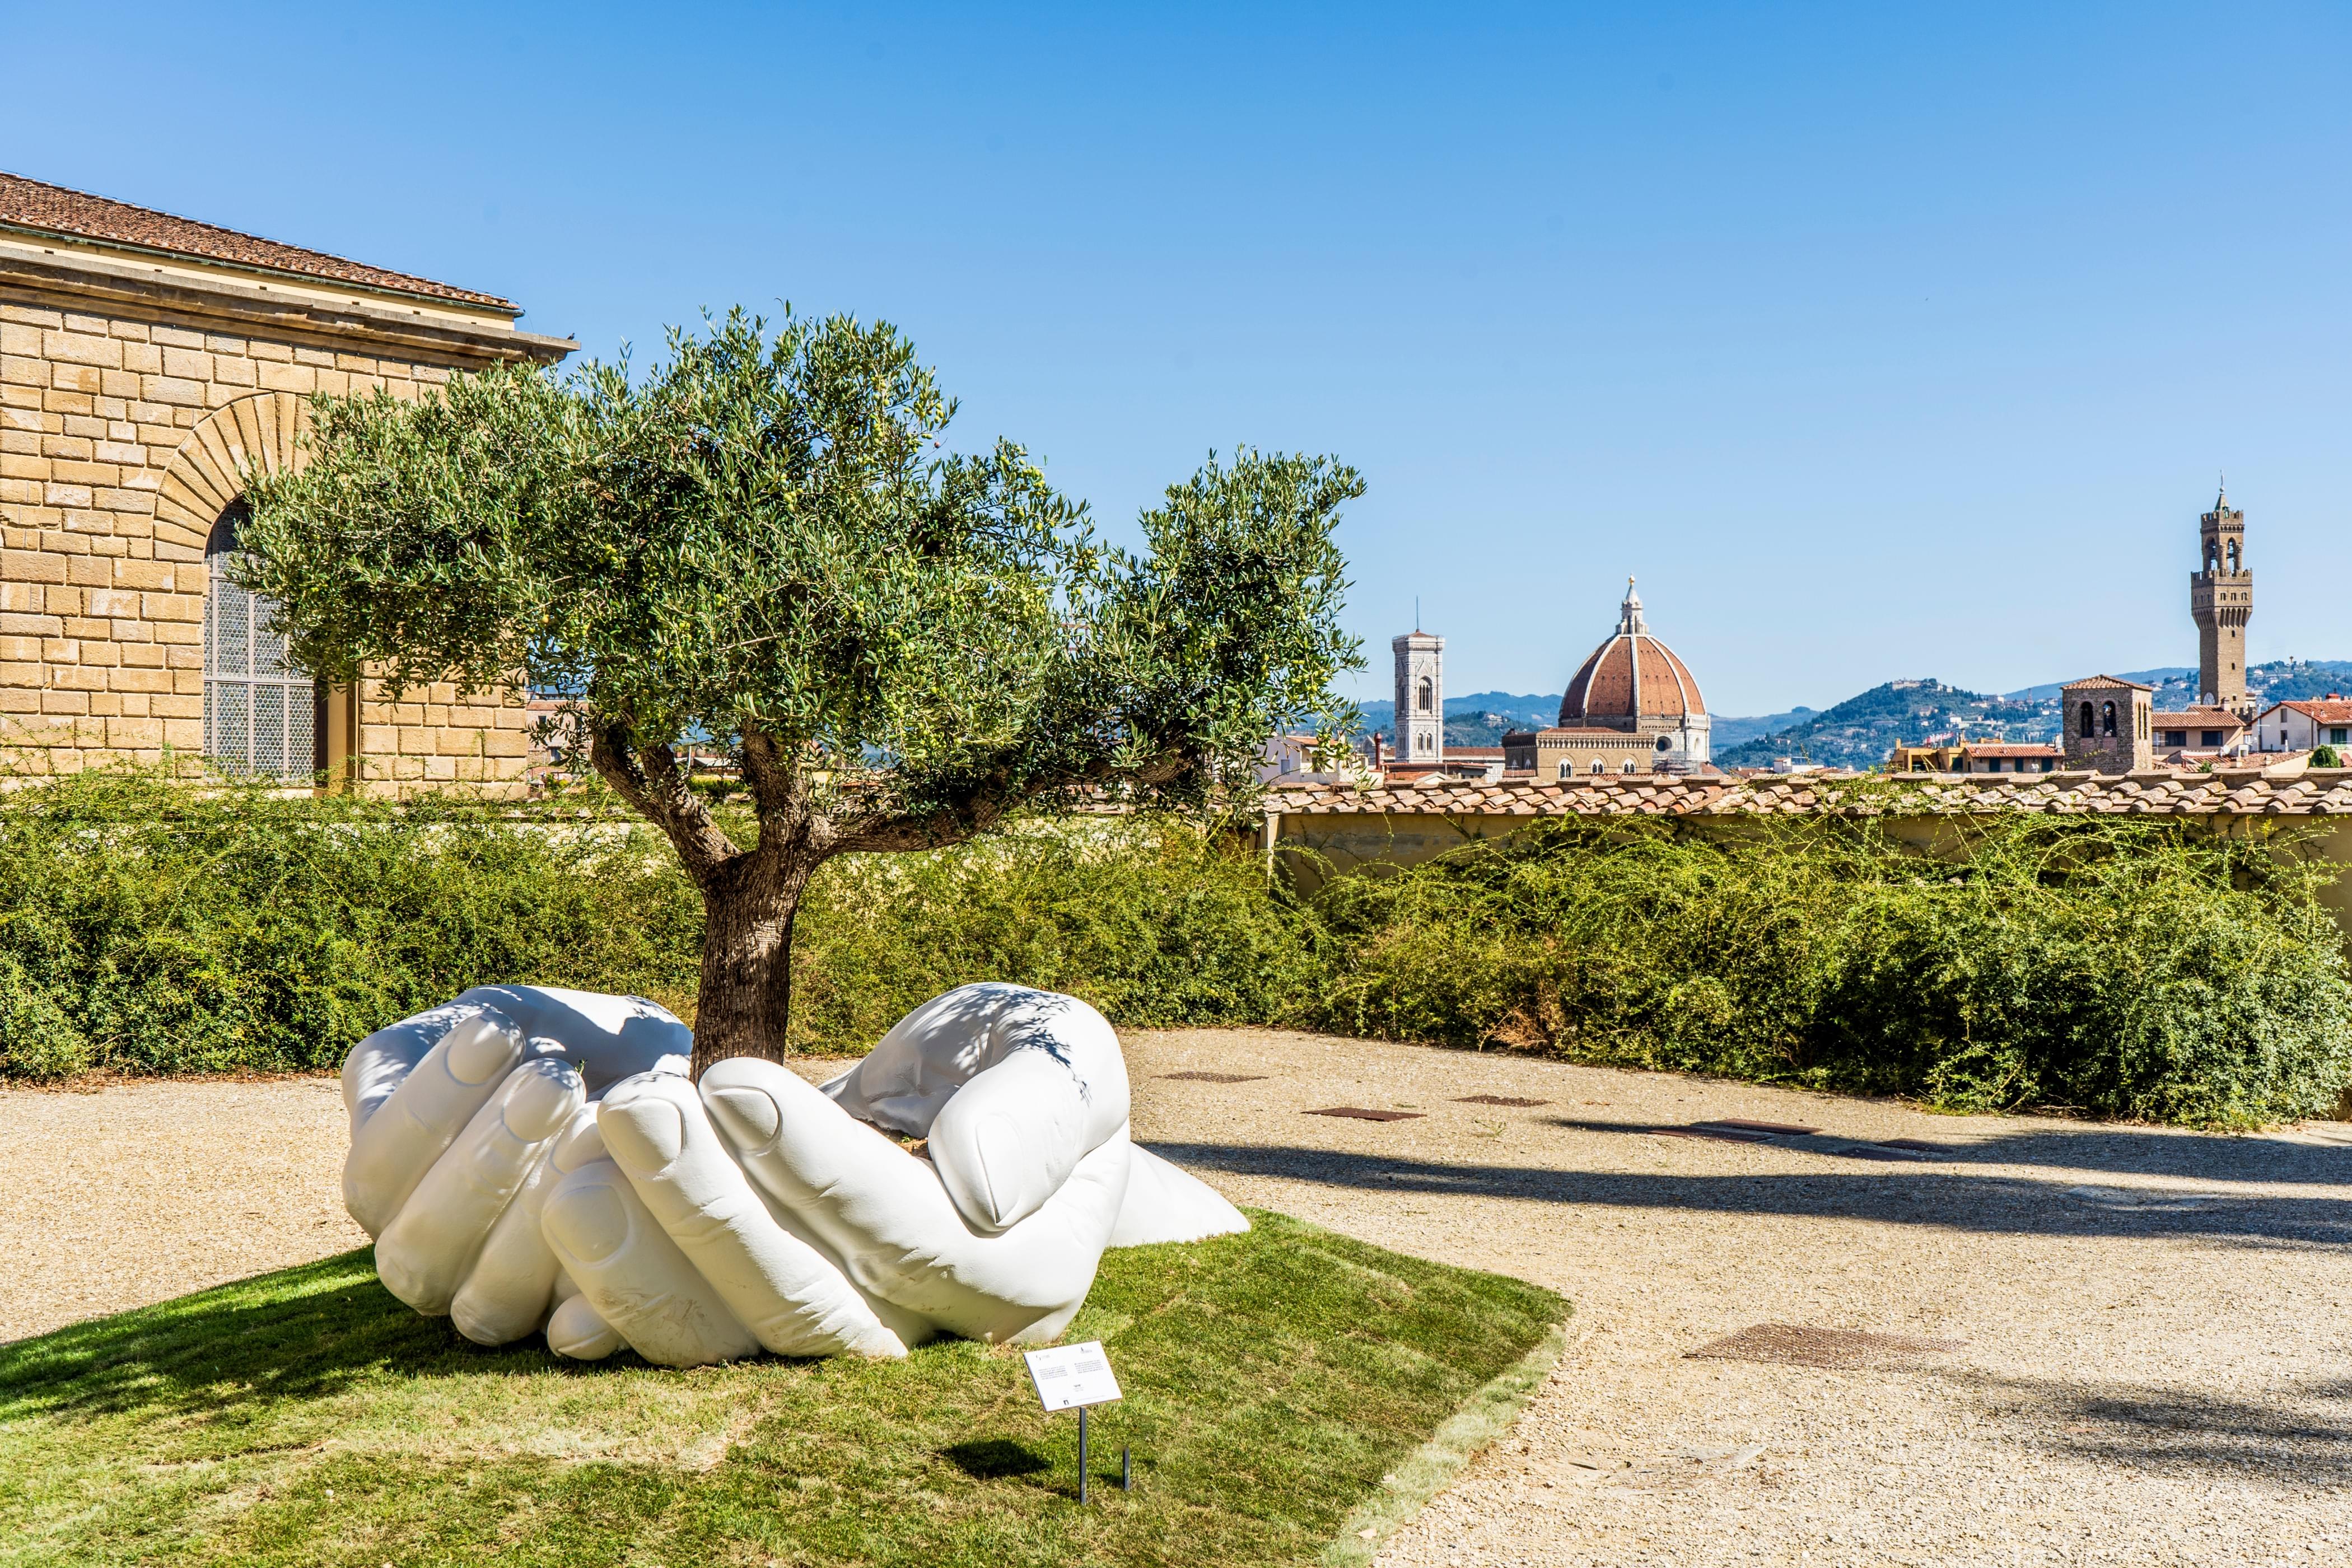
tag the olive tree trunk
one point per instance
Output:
(749, 896)
(745, 1005)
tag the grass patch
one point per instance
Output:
(1273, 1380)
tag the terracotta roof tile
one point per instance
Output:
(53, 209)
(2322, 792)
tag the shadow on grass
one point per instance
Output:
(300, 1334)
(1899, 1195)
(995, 1459)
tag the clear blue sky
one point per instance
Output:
(1878, 341)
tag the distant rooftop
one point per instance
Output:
(29, 204)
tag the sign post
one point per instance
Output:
(1071, 1377)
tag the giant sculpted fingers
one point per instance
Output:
(531, 1157)
(411, 1089)
(454, 1115)
(793, 1298)
(1012, 1087)
(890, 1219)
(428, 1250)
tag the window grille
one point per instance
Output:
(261, 716)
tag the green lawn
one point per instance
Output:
(1276, 1383)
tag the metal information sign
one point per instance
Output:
(1070, 1376)
(1075, 1376)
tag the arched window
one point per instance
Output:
(1565, 767)
(2106, 717)
(260, 717)
(2086, 721)
(1628, 767)
(2212, 553)
(2233, 555)
(1596, 767)
(1422, 698)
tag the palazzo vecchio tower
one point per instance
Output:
(2220, 597)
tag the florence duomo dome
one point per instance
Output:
(1632, 707)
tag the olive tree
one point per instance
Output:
(764, 544)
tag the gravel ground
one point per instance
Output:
(143, 1191)
(2153, 1360)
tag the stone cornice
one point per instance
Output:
(67, 278)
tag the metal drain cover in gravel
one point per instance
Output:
(1495, 1100)
(1217, 1076)
(1361, 1114)
(1841, 1348)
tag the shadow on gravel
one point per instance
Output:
(2120, 1150)
(1932, 1196)
(2147, 1152)
(2302, 1435)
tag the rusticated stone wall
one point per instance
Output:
(122, 438)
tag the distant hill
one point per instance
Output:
(1478, 719)
(1860, 731)
(2296, 679)
(2170, 675)
(1724, 731)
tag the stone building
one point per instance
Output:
(147, 362)
(1632, 707)
(2108, 724)
(2220, 601)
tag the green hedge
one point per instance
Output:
(2141, 968)
(148, 927)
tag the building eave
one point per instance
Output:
(300, 307)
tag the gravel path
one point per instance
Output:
(2154, 1352)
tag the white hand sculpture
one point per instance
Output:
(529, 1156)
